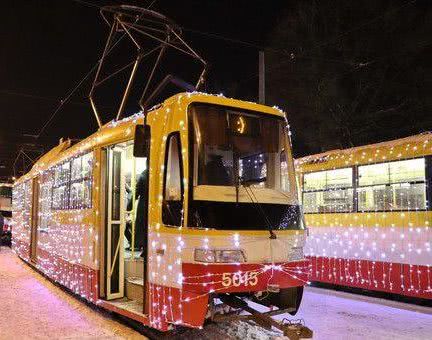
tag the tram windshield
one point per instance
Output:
(242, 178)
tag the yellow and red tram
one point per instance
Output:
(369, 215)
(158, 216)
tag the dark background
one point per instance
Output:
(346, 72)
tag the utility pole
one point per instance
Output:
(261, 72)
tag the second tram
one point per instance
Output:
(369, 215)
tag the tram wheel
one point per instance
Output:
(296, 298)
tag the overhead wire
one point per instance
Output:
(292, 56)
(33, 96)
(237, 41)
(70, 93)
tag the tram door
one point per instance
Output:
(115, 225)
(34, 219)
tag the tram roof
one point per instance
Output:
(403, 148)
(122, 130)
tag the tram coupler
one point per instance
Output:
(293, 329)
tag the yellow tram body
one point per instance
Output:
(370, 222)
(69, 218)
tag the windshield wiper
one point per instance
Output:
(246, 185)
(198, 219)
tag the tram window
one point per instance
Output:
(328, 191)
(340, 200)
(45, 206)
(402, 186)
(60, 195)
(72, 184)
(330, 179)
(76, 168)
(76, 195)
(172, 196)
(17, 197)
(28, 194)
(314, 181)
(80, 186)
(285, 180)
(373, 174)
(411, 170)
(5, 191)
(400, 196)
(235, 144)
(409, 196)
(87, 164)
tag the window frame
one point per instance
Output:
(425, 181)
(194, 163)
(66, 184)
(353, 182)
(171, 135)
(355, 186)
(69, 182)
(81, 180)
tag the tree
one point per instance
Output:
(351, 73)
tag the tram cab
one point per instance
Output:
(168, 216)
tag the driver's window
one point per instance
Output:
(173, 188)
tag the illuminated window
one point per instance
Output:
(173, 188)
(45, 201)
(5, 191)
(232, 147)
(285, 180)
(330, 179)
(391, 186)
(17, 197)
(60, 194)
(80, 187)
(22, 200)
(27, 194)
(328, 191)
(72, 184)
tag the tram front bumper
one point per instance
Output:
(244, 277)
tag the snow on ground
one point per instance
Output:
(31, 307)
(338, 315)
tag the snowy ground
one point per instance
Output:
(32, 307)
(338, 315)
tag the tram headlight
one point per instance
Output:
(219, 256)
(204, 255)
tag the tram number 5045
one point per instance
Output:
(237, 279)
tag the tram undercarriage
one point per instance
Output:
(261, 307)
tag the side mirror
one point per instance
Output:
(141, 141)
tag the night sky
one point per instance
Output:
(48, 46)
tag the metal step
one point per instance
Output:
(134, 267)
(135, 288)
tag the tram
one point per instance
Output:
(369, 216)
(170, 217)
